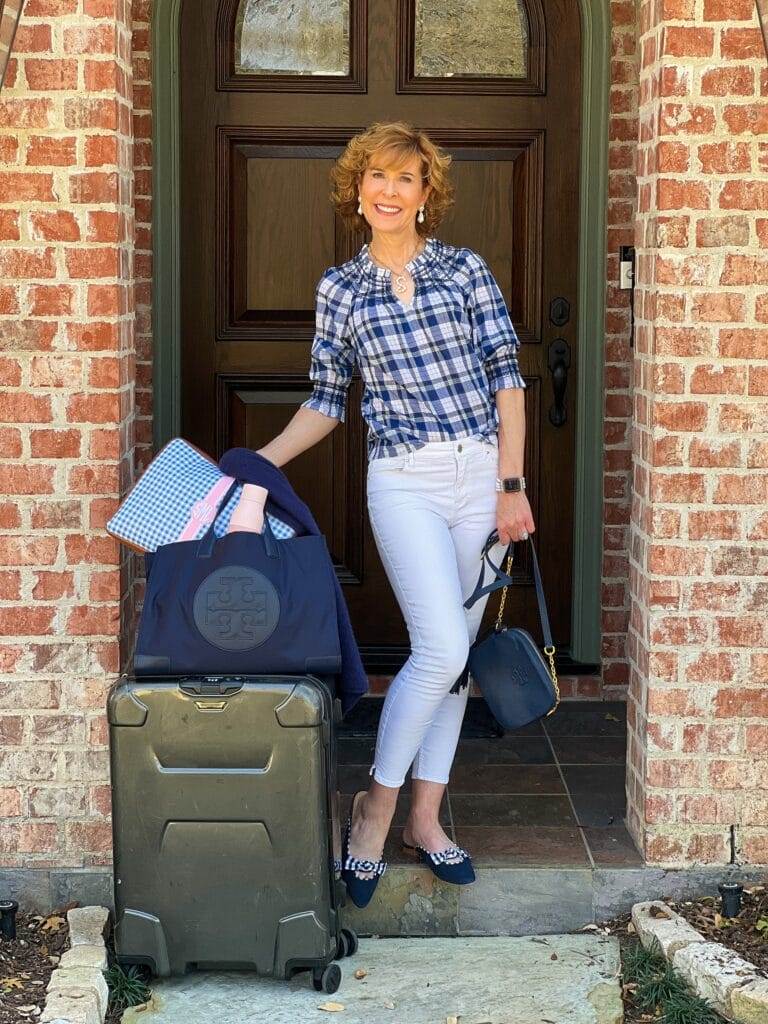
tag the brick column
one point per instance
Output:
(698, 640)
(617, 434)
(68, 369)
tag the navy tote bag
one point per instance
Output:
(242, 603)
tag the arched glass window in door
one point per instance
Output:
(292, 37)
(467, 38)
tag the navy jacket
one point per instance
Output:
(284, 503)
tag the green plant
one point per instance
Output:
(640, 963)
(762, 927)
(127, 987)
(657, 988)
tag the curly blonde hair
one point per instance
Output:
(398, 141)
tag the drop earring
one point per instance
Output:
(359, 205)
(420, 217)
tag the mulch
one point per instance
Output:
(27, 962)
(739, 933)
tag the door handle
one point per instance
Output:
(559, 361)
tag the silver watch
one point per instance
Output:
(511, 484)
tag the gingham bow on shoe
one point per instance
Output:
(453, 864)
(356, 864)
(450, 855)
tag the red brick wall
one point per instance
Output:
(67, 370)
(698, 776)
(617, 434)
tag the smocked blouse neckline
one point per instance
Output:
(415, 263)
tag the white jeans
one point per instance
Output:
(431, 511)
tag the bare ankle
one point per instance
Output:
(422, 821)
(375, 809)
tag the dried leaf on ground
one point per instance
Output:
(52, 923)
(332, 1007)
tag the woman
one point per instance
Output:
(443, 399)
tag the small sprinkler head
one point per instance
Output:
(731, 898)
(8, 910)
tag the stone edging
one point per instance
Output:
(77, 991)
(733, 986)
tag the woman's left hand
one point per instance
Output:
(513, 516)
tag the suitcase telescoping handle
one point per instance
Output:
(219, 686)
(207, 541)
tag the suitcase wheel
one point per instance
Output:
(347, 943)
(326, 979)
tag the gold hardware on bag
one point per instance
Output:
(503, 595)
(549, 651)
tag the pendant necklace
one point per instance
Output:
(398, 278)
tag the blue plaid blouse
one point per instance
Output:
(430, 369)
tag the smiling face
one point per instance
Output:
(391, 195)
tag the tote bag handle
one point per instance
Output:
(207, 541)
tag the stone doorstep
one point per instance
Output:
(732, 985)
(411, 901)
(78, 991)
(521, 900)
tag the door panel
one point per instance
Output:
(260, 131)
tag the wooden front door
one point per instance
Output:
(270, 94)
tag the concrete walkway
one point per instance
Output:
(552, 979)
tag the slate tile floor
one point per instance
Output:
(549, 795)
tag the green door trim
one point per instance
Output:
(586, 629)
(588, 497)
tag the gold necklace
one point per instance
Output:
(398, 277)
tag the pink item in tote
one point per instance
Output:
(204, 510)
(249, 511)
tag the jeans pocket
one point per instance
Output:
(387, 464)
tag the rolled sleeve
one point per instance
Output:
(332, 358)
(495, 333)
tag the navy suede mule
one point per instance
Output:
(360, 889)
(450, 865)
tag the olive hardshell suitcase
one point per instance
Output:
(225, 825)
